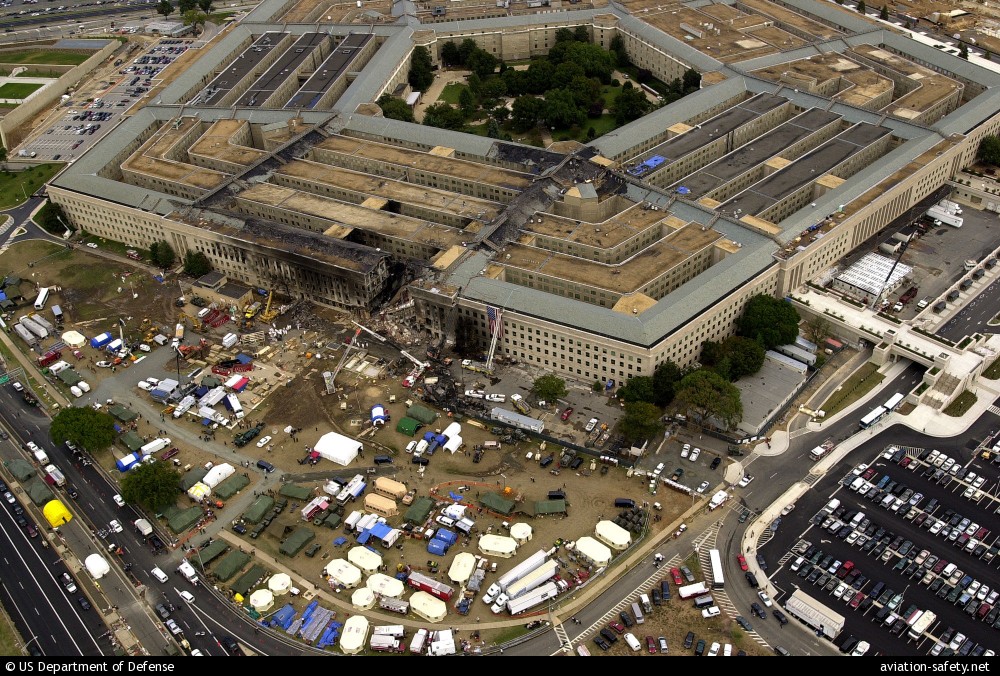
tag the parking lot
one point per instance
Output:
(86, 121)
(906, 534)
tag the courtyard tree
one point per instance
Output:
(640, 422)
(581, 34)
(617, 48)
(989, 150)
(450, 54)
(195, 18)
(549, 387)
(205, 6)
(421, 69)
(861, 7)
(162, 254)
(482, 63)
(691, 80)
(560, 111)
(704, 396)
(817, 329)
(444, 116)
(395, 108)
(963, 51)
(185, 6)
(196, 263)
(638, 388)
(769, 320)
(744, 357)
(526, 112)
(630, 104)
(665, 379)
(87, 428)
(154, 485)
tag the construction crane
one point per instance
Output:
(267, 315)
(347, 350)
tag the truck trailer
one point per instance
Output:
(26, 335)
(421, 582)
(533, 598)
(34, 327)
(535, 578)
(522, 569)
(692, 590)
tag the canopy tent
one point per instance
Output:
(74, 339)
(248, 580)
(294, 492)
(497, 545)
(543, 507)
(381, 505)
(38, 491)
(192, 476)
(365, 559)
(97, 566)
(355, 634)
(231, 563)
(185, 518)
(343, 573)
(383, 585)
(593, 551)
(612, 535)
(363, 598)
(419, 510)
(258, 509)
(421, 413)
(495, 503)
(231, 486)
(123, 414)
(217, 474)
(462, 567)
(212, 551)
(521, 532)
(295, 542)
(390, 487)
(408, 426)
(279, 583)
(338, 448)
(428, 607)
(69, 377)
(199, 492)
(131, 441)
(21, 469)
(56, 513)
(262, 600)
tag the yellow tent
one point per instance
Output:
(56, 513)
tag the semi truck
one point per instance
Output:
(49, 357)
(535, 578)
(533, 598)
(920, 622)
(514, 574)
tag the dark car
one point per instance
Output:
(743, 622)
(231, 646)
(689, 640)
(780, 617)
(626, 619)
(688, 575)
(601, 643)
(752, 579)
(609, 635)
(715, 463)
(84, 603)
(699, 649)
(162, 611)
(656, 598)
(757, 610)
(665, 590)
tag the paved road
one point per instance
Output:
(974, 317)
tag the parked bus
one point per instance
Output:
(873, 417)
(718, 581)
(43, 296)
(894, 401)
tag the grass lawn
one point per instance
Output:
(610, 94)
(15, 185)
(18, 90)
(451, 92)
(46, 56)
(858, 385)
(961, 406)
(601, 125)
(993, 372)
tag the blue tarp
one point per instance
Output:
(201, 391)
(364, 537)
(117, 428)
(3, 296)
(206, 421)
(428, 436)
(310, 609)
(455, 496)
(330, 635)
(283, 617)
(244, 358)
(381, 530)
(340, 542)
(158, 278)
(437, 547)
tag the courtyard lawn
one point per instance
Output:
(48, 57)
(451, 92)
(18, 90)
(16, 186)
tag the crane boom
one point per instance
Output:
(347, 350)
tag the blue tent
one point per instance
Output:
(437, 547)
(243, 358)
(201, 391)
(448, 536)
(340, 542)
(206, 421)
(283, 617)
(364, 537)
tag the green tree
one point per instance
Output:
(196, 264)
(884, 13)
(640, 422)
(691, 80)
(162, 254)
(565, 73)
(395, 108)
(491, 91)
(475, 83)
(443, 116)
(185, 6)
(591, 133)
(617, 47)
(817, 329)
(500, 114)
(421, 73)
(205, 6)
(52, 219)
(538, 77)
(861, 7)
(493, 129)
(89, 429)
(195, 17)
(560, 109)
(467, 102)
(638, 388)
(153, 485)
(705, 396)
(581, 34)
(482, 63)
(989, 150)
(526, 112)
(665, 379)
(769, 320)
(549, 388)
(466, 49)
(630, 104)
(564, 35)
(165, 8)
(450, 54)
(744, 356)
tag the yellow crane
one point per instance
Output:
(269, 314)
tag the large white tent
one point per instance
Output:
(428, 607)
(279, 583)
(354, 634)
(338, 448)
(462, 567)
(383, 585)
(217, 474)
(261, 600)
(613, 535)
(363, 598)
(593, 551)
(365, 559)
(498, 545)
(97, 566)
(521, 532)
(343, 573)
(74, 339)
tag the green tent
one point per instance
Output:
(295, 492)
(185, 519)
(122, 413)
(20, 468)
(210, 552)
(259, 509)
(419, 510)
(421, 413)
(543, 507)
(210, 382)
(231, 486)
(332, 520)
(131, 441)
(191, 477)
(38, 491)
(495, 503)
(231, 564)
(408, 426)
(248, 580)
(294, 543)
(69, 377)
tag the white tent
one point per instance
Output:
(343, 573)
(521, 532)
(279, 584)
(199, 492)
(363, 598)
(74, 339)
(338, 448)
(613, 535)
(452, 430)
(354, 635)
(261, 600)
(462, 567)
(497, 545)
(217, 474)
(97, 566)
(428, 607)
(365, 559)
(455, 511)
(593, 551)
(453, 444)
(383, 585)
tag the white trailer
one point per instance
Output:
(155, 446)
(521, 569)
(945, 217)
(34, 327)
(535, 578)
(533, 598)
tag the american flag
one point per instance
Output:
(495, 318)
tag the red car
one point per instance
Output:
(740, 559)
(676, 574)
(856, 601)
(567, 413)
(651, 645)
(171, 453)
(617, 626)
(905, 462)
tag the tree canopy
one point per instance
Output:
(734, 357)
(641, 421)
(769, 320)
(395, 108)
(549, 388)
(421, 73)
(162, 254)
(444, 116)
(989, 150)
(665, 379)
(638, 388)
(89, 429)
(196, 264)
(705, 396)
(154, 485)
(630, 104)
(165, 8)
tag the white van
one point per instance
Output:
(160, 575)
(831, 506)
(637, 611)
(632, 642)
(203, 312)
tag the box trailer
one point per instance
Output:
(26, 335)
(421, 582)
(533, 598)
(34, 327)
(521, 569)
(42, 321)
(535, 578)
(155, 446)
(692, 590)
(517, 420)
(393, 605)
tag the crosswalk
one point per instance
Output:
(994, 409)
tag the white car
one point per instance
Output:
(118, 500)
(860, 649)
(143, 385)
(745, 481)
(787, 509)
(263, 442)
(496, 397)
(114, 526)
(187, 596)
(144, 348)
(714, 650)
(475, 394)
(591, 424)
(91, 245)
(695, 452)
(703, 486)
(153, 381)
(686, 451)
